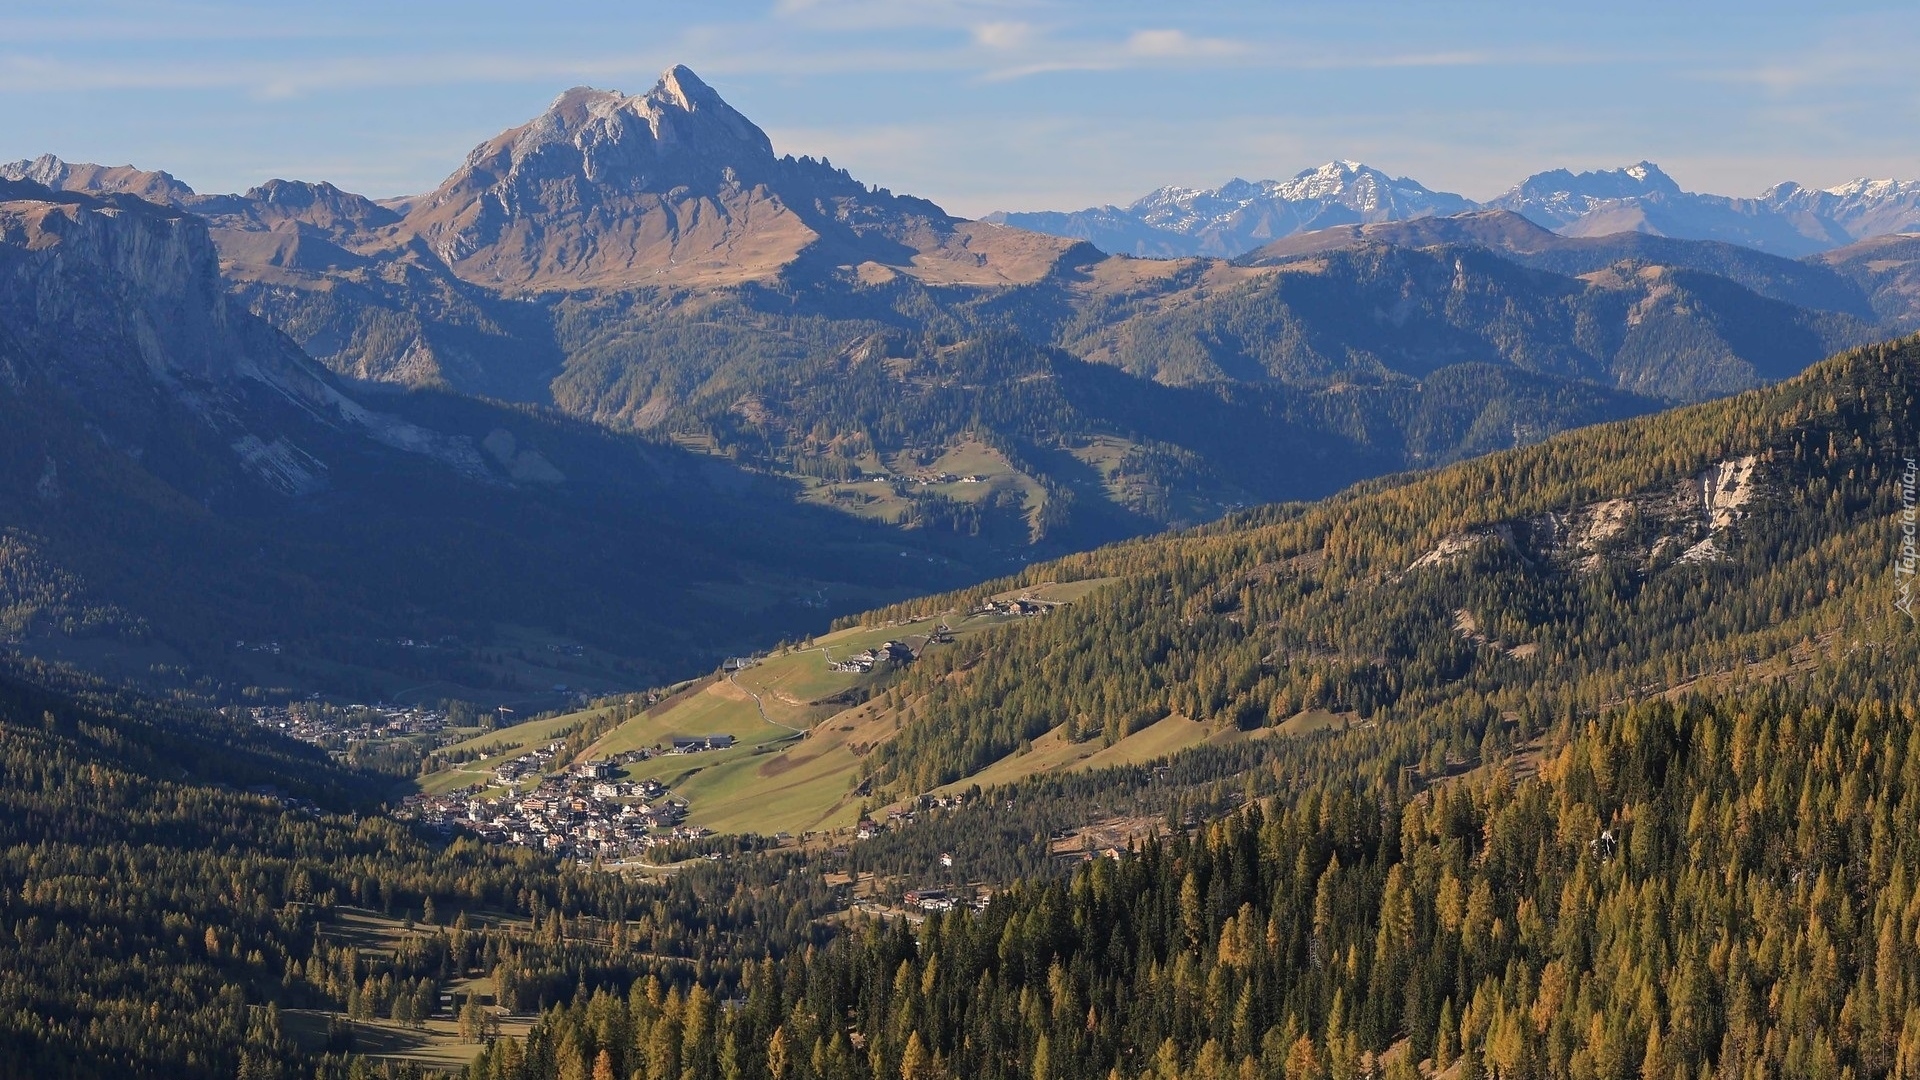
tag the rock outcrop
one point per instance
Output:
(116, 306)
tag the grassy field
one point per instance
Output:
(1312, 720)
(796, 759)
(800, 731)
(872, 496)
(1052, 752)
(497, 746)
(790, 770)
(1064, 592)
(1104, 455)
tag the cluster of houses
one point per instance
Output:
(535, 761)
(694, 744)
(423, 643)
(336, 728)
(927, 479)
(582, 813)
(893, 652)
(900, 816)
(1018, 606)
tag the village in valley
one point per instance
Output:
(764, 748)
(337, 728)
(587, 811)
(580, 811)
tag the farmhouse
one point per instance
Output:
(892, 652)
(693, 744)
(929, 899)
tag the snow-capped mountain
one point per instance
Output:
(1787, 219)
(1560, 197)
(1337, 193)
(1862, 208)
(1241, 215)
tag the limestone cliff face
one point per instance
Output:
(116, 307)
(80, 274)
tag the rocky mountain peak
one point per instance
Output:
(1559, 196)
(1348, 182)
(322, 205)
(685, 89)
(1651, 177)
(604, 183)
(1639, 179)
(675, 186)
(51, 172)
(679, 132)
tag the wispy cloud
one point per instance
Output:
(1004, 35)
(1179, 45)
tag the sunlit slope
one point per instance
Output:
(800, 727)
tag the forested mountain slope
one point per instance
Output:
(1381, 313)
(1625, 786)
(187, 896)
(1722, 544)
(1643, 804)
(1707, 888)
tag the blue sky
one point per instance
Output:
(989, 104)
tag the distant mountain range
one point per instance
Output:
(1239, 216)
(671, 394)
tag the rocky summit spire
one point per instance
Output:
(603, 182)
(670, 186)
(679, 132)
(685, 88)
